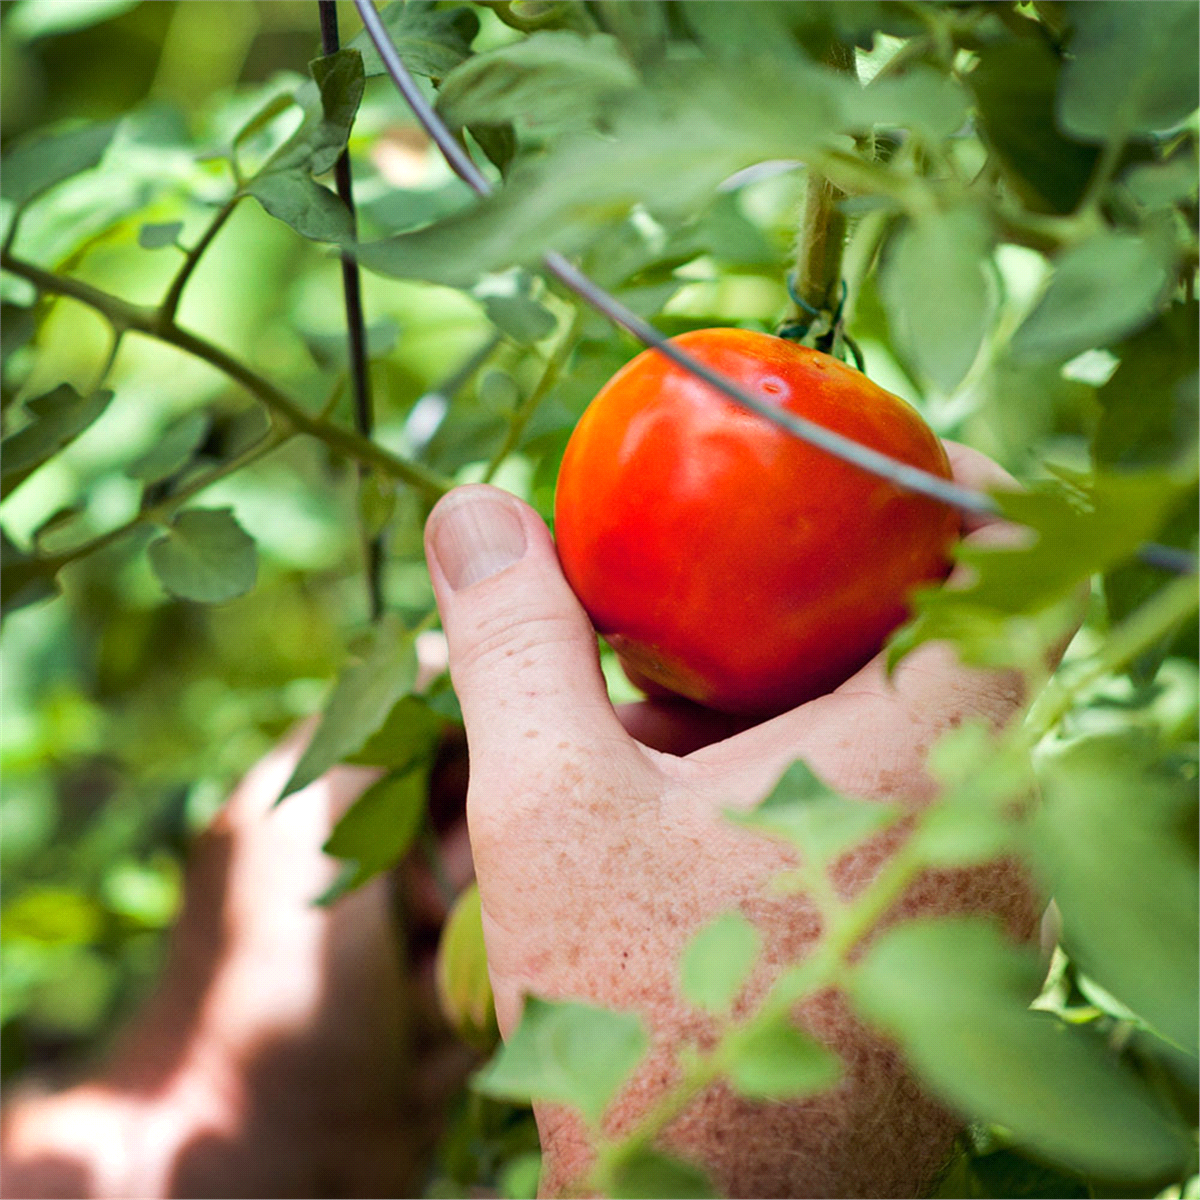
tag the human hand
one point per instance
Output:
(599, 855)
(276, 1056)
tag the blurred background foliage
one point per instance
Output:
(128, 712)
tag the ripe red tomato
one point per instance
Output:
(724, 559)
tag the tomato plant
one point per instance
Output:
(724, 559)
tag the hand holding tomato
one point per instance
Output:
(723, 558)
(598, 856)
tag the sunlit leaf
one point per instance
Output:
(464, 989)
(776, 1061)
(717, 961)
(644, 1174)
(568, 1053)
(822, 824)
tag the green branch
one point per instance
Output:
(124, 316)
(170, 303)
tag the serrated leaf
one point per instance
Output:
(803, 810)
(546, 84)
(377, 830)
(1132, 69)
(717, 962)
(935, 292)
(1015, 83)
(366, 693)
(646, 1174)
(568, 1053)
(463, 986)
(777, 1061)
(175, 446)
(205, 556)
(37, 165)
(1112, 847)
(156, 237)
(430, 41)
(956, 994)
(59, 416)
(1101, 290)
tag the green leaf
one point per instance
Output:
(156, 237)
(431, 41)
(645, 1174)
(364, 697)
(820, 823)
(547, 84)
(37, 165)
(666, 152)
(1015, 83)
(1148, 406)
(284, 186)
(776, 1061)
(1132, 69)
(1080, 530)
(935, 292)
(59, 417)
(408, 735)
(464, 988)
(377, 830)
(295, 198)
(521, 318)
(205, 556)
(24, 579)
(1102, 290)
(1112, 847)
(569, 1053)
(331, 352)
(718, 961)
(172, 451)
(922, 99)
(1161, 184)
(956, 994)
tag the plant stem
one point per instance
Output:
(136, 318)
(525, 410)
(170, 303)
(1155, 619)
(822, 229)
(164, 508)
(356, 336)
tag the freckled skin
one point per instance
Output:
(726, 560)
(601, 849)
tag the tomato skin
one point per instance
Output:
(723, 558)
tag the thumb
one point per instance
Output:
(523, 653)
